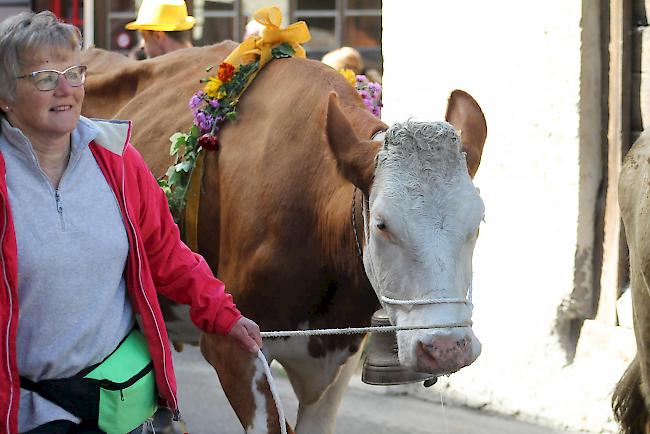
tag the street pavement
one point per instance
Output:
(364, 409)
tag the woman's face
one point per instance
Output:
(47, 115)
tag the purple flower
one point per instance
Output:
(215, 103)
(207, 125)
(196, 100)
(374, 86)
(203, 121)
(198, 118)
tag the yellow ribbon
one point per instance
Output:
(272, 36)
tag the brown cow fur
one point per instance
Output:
(274, 218)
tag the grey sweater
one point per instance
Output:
(72, 250)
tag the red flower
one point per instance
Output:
(209, 142)
(226, 71)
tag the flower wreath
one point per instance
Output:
(217, 101)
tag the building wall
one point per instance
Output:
(534, 67)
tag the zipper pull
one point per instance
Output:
(59, 205)
(121, 395)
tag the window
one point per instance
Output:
(70, 11)
(337, 23)
(216, 20)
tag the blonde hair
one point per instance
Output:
(344, 58)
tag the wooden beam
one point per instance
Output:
(618, 143)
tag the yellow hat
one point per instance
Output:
(162, 15)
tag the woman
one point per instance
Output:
(86, 241)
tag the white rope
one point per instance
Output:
(319, 332)
(423, 301)
(274, 392)
(358, 330)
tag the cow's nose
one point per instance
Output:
(444, 353)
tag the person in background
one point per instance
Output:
(164, 26)
(87, 244)
(253, 28)
(349, 58)
(344, 58)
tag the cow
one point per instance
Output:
(302, 162)
(631, 397)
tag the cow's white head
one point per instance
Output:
(421, 224)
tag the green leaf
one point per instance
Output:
(180, 193)
(283, 50)
(194, 131)
(185, 166)
(169, 174)
(174, 137)
(178, 140)
(175, 177)
(231, 116)
(168, 191)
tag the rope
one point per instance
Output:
(423, 301)
(357, 330)
(274, 392)
(320, 332)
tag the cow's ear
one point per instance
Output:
(464, 113)
(355, 158)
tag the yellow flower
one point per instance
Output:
(349, 75)
(212, 88)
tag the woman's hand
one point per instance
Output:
(247, 334)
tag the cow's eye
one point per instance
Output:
(381, 226)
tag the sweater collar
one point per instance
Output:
(82, 135)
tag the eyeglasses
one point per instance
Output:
(48, 79)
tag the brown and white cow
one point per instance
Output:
(275, 220)
(631, 398)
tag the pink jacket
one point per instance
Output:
(157, 262)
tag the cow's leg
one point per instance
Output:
(319, 384)
(243, 380)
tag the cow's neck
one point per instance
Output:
(341, 251)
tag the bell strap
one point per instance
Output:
(192, 201)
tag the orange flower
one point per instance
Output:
(226, 71)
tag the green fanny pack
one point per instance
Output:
(119, 393)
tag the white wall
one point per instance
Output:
(534, 69)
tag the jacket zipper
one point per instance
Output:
(11, 308)
(59, 208)
(141, 285)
